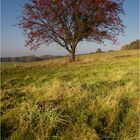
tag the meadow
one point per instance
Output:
(94, 98)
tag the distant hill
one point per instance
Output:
(28, 58)
(133, 45)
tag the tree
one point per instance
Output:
(98, 50)
(67, 22)
(133, 45)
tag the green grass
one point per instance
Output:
(95, 98)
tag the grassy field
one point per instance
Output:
(95, 98)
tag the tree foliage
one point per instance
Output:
(133, 45)
(67, 22)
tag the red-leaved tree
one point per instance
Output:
(67, 22)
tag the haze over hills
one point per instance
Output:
(28, 58)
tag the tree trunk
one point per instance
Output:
(72, 53)
(72, 56)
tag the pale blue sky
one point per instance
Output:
(13, 41)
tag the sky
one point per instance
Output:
(13, 40)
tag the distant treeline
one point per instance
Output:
(28, 58)
(132, 45)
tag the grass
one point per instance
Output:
(95, 98)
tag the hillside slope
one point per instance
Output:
(95, 98)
